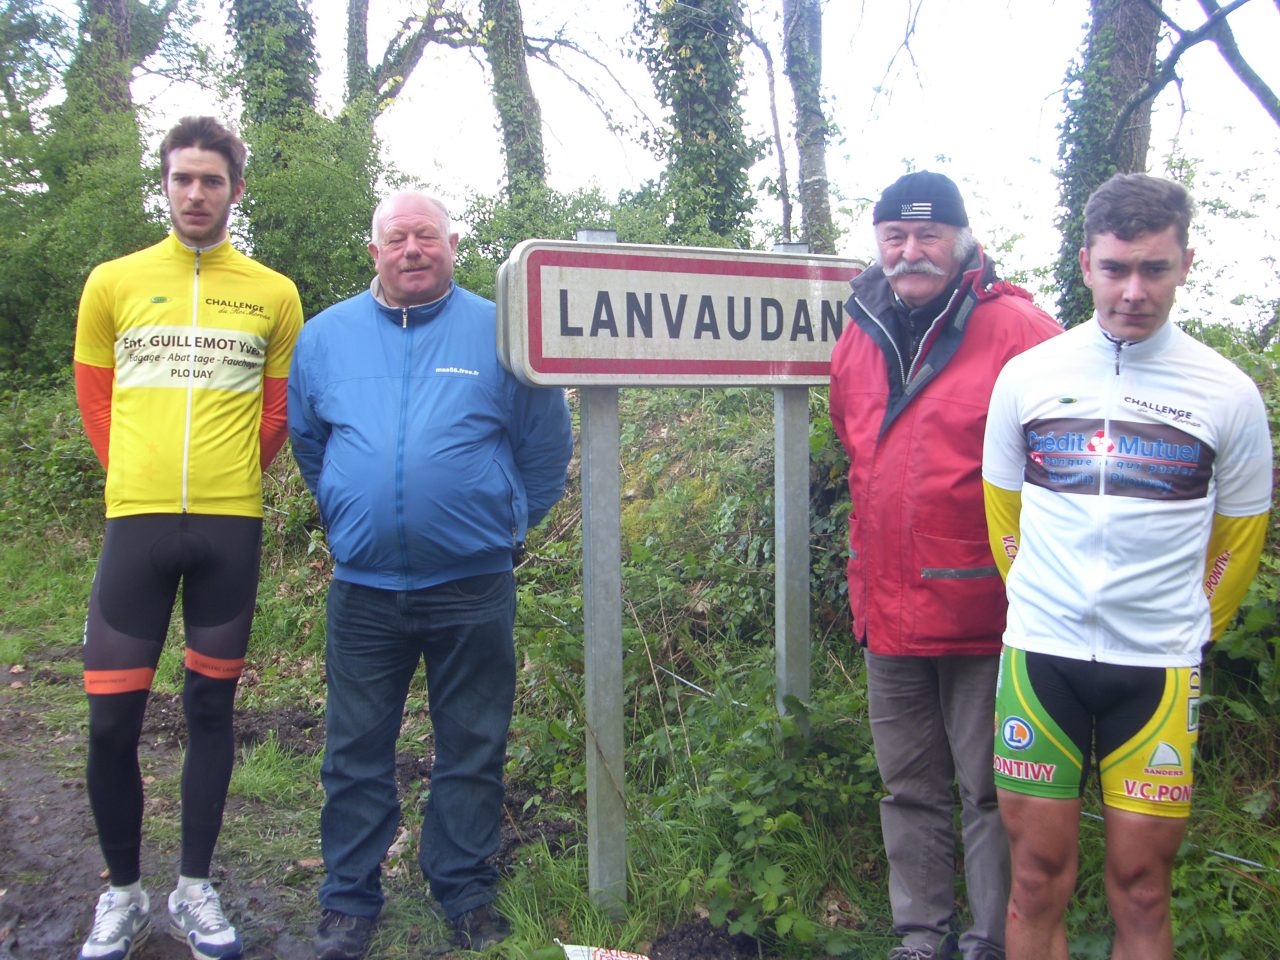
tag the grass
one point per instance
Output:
(45, 582)
(730, 814)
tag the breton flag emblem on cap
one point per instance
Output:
(921, 210)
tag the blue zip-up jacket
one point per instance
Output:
(429, 461)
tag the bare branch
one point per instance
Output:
(541, 48)
(1226, 43)
(913, 18)
(446, 27)
(784, 189)
(1167, 71)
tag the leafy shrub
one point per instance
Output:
(48, 471)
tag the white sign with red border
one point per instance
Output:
(576, 314)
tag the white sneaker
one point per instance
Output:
(120, 922)
(196, 917)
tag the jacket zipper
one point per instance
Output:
(186, 433)
(902, 370)
(405, 381)
(1103, 510)
(905, 373)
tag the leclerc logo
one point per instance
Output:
(1017, 734)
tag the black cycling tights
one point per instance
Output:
(143, 560)
(115, 781)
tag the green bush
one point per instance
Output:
(48, 472)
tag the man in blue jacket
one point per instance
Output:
(429, 462)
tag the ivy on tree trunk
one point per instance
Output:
(1118, 61)
(693, 51)
(519, 115)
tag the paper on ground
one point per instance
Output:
(597, 953)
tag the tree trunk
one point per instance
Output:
(1117, 65)
(359, 77)
(101, 70)
(802, 56)
(1125, 32)
(275, 44)
(693, 51)
(96, 123)
(518, 112)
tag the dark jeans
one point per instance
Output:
(463, 630)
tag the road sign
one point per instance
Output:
(575, 314)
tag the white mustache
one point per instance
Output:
(920, 266)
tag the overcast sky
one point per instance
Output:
(978, 96)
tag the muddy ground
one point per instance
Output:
(51, 869)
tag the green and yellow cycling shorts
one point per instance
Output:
(1054, 714)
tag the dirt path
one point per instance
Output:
(50, 865)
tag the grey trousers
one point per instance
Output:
(932, 723)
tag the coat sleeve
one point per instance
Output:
(835, 403)
(308, 433)
(542, 444)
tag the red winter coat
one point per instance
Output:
(922, 581)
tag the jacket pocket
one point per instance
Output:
(517, 512)
(854, 576)
(959, 593)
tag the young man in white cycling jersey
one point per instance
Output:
(1127, 473)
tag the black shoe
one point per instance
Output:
(480, 928)
(340, 936)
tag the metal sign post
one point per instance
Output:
(791, 536)
(602, 622)
(602, 615)
(608, 315)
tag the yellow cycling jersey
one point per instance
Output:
(190, 335)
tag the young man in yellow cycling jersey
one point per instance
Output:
(182, 358)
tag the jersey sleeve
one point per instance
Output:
(95, 361)
(274, 426)
(94, 386)
(1004, 511)
(1235, 545)
(1242, 469)
(275, 422)
(95, 323)
(285, 336)
(1003, 443)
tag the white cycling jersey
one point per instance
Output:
(1123, 452)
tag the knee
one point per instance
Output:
(1139, 890)
(1041, 881)
(208, 703)
(115, 721)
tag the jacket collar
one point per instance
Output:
(217, 251)
(1119, 351)
(418, 313)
